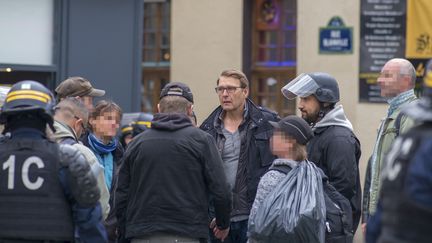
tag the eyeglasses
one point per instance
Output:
(229, 89)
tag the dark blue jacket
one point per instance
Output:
(87, 220)
(417, 187)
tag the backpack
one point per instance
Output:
(338, 211)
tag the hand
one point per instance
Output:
(221, 234)
(363, 227)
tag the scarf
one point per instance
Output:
(104, 155)
(399, 100)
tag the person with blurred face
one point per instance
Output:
(242, 132)
(70, 120)
(288, 143)
(104, 122)
(397, 81)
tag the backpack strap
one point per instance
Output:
(281, 168)
(398, 123)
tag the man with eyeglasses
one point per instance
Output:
(242, 132)
(70, 120)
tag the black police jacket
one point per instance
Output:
(336, 150)
(255, 152)
(166, 177)
(406, 213)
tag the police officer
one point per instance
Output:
(142, 123)
(405, 207)
(46, 190)
(334, 148)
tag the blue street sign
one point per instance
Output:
(335, 38)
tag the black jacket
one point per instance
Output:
(336, 150)
(166, 177)
(255, 150)
(366, 188)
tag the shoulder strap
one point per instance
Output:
(398, 123)
(281, 168)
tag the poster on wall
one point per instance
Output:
(419, 36)
(391, 29)
(382, 37)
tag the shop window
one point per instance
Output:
(29, 41)
(273, 52)
(156, 52)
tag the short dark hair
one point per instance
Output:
(174, 104)
(106, 106)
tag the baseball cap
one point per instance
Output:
(77, 86)
(177, 89)
(295, 127)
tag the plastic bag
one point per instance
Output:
(294, 211)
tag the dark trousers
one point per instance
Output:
(237, 233)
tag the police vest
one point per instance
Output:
(33, 205)
(403, 220)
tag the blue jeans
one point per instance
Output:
(237, 233)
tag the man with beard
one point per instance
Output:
(334, 148)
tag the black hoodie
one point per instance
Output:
(168, 173)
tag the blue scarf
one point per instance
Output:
(104, 155)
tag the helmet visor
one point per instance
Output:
(3, 93)
(302, 86)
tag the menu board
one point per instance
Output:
(382, 37)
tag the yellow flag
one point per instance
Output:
(419, 29)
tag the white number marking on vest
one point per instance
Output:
(10, 165)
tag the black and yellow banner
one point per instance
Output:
(419, 29)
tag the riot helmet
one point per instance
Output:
(28, 97)
(323, 86)
(142, 123)
(125, 135)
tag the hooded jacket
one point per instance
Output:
(336, 150)
(167, 176)
(66, 135)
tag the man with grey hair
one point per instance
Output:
(70, 119)
(397, 81)
(167, 176)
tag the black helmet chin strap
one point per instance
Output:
(324, 109)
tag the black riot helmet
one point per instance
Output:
(322, 85)
(28, 97)
(142, 123)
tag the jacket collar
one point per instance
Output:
(64, 131)
(253, 113)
